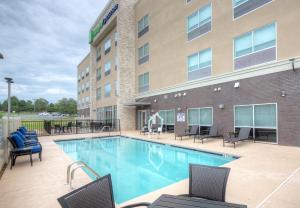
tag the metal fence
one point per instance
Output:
(71, 126)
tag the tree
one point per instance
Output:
(68, 106)
(52, 108)
(40, 105)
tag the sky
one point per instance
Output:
(43, 41)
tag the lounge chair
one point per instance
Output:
(21, 148)
(24, 131)
(208, 182)
(244, 134)
(144, 130)
(213, 132)
(97, 194)
(194, 130)
(26, 136)
(27, 140)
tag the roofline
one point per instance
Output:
(83, 59)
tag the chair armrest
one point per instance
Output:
(142, 204)
(185, 195)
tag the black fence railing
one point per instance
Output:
(71, 126)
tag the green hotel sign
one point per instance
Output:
(94, 32)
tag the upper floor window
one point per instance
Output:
(107, 67)
(79, 89)
(116, 38)
(199, 64)
(199, 22)
(79, 77)
(116, 62)
(144, 82)
(98, 53)
(87, 71)
(87, 100)
(98, 93)
(87, 86)
(242, 7)
(82, 88)
(143, 26)
(107, 90)
(99, 74)
(107, 46)
(144, 53)
(82, 75)
(255, 47)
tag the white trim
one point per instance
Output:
(253, 120)
(249, 72)
(233, 19)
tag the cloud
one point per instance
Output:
(43, 42)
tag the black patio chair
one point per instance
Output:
(213, 132)
(97, 194)
(244, 134)
(194, 130)
(208, 182)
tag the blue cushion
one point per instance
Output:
(18, 141)
(22, 130)
(27, 137)
(36, 148)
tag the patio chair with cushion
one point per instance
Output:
(208, 182)
(25, 132)
(21, 148)
(194, 130)
(243, 134)
(213, 132)
(97, 194)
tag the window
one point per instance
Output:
(79, 89)
(116, 88)
(199, 64)
(199, 22)
(82, 75)
(82, 88)
(107, 90)
(87, 71)
(79, 77)
(200, 116)
(116, 62)
(262, 118)
(144, 82)
(168, 116)
(98, 93)
(108, 115)
(143, 26)
(87, 86)
(107, 67)
(98, 53)
(255, 47)
(144, 53)
(242, 7)
(99, 74)
(87, 100)
(107, 46)
(116, 38)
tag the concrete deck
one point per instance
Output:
(265, 176)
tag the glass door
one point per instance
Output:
(143, 116)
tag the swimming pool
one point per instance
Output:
(138, 167)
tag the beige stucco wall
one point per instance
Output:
(169, 47)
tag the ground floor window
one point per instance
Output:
(262, 118)
(107, 115)
(169, 119)
(202, 117)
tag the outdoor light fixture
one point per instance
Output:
(221, 106)
(216, 89)
(283, 93)
(219, 89)
(236, 85)
(9, 82)
(1, 56)
(184, 94)
(155, 100)
(179, 109)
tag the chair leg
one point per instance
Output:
(11, 160)
(40, 156)
(202, 141)
(31, 159)
(234, 145)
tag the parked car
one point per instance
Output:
(44, 114)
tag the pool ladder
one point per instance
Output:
(75, 166)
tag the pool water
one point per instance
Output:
(138, 167)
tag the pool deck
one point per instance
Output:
(266, 175)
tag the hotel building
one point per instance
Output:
(231, 64)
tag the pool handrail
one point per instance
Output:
(79, 164)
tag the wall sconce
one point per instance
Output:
(236, 85)
(155, 101)
(179, 109)
(283, 93)
(184, 94)
(179, 94)
(216, 89)
(175, 95)
(221, 106)
(219, 89)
